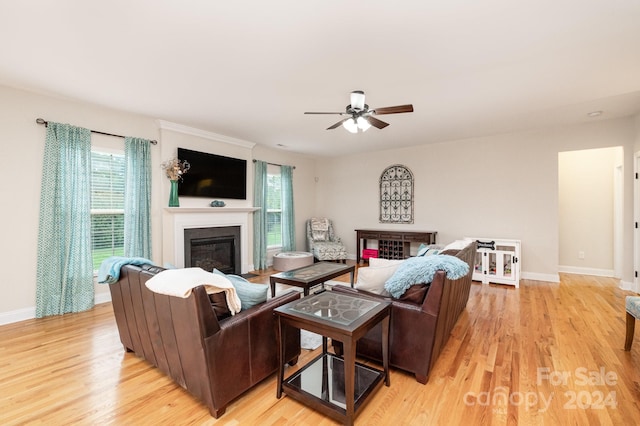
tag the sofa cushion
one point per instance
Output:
(420, 270)
(250, 294)
(219, 305)
(372, 279)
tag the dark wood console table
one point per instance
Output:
(392, 244)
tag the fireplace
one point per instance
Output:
(213, 247)
(177, 220)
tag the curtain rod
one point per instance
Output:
(45, 122)
(274, 164)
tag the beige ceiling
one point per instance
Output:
(249, 69)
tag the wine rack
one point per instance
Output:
(392, 244)
(391, 249)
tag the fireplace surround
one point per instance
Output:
(213, 248)
(176, 220)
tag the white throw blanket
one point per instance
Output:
(180, 282)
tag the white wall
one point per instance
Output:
(503, 186)
(22, 150)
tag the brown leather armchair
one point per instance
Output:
(420, 327)
(215, 360)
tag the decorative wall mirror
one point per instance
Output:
(396, 195)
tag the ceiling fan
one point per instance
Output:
(361, 118)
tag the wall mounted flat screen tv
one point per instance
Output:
(213, 176)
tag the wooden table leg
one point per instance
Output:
(349, 358)
(631, 326)
(280, 343)
(385, 350)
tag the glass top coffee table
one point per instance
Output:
(309, 276)
(335, 386)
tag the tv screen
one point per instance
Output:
(213, 176)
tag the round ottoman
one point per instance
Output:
(288, 260)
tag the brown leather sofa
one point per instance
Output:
(215, 360)
(420, 324)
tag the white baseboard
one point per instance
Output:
(102, 298)
(586, 271)
(30, 313)
(536, 276)
(629, 286)
(17, 315)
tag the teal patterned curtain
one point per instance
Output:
(137, 198)
(288, 219)
(260, 216)
(64, 280)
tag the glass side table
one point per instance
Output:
(336, 386)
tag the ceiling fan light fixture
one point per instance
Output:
(357, 100)
(360, 117)
(350, 125)
(363, 124)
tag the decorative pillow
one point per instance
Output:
(372, 279)
(420, 270)
(219, 305)
(375, 262)
(250, 294)
(319, 235)
(422, 250)
(320, 229)
(428, 250)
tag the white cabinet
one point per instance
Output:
(497, 261)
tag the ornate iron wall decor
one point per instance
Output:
(396, 195)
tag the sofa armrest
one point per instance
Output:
(346, 289)
(258, 324)
(364, 293)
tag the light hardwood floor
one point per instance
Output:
(543, 354)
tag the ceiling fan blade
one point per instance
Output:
(338, 124)
(376, 123)
(394, 109)
(338, 113)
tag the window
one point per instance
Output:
(274, 207)
(107, 206)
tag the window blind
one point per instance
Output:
(274, 209)
(107, 206)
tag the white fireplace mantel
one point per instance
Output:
(177, 219)
(213, 210)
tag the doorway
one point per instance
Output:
(591, 208)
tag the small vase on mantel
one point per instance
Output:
(173, 194)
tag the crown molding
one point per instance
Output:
(180, 128)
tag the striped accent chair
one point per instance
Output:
(323, 242)
(632, 305)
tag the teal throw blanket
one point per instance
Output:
(418, 270)
(109, 271)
